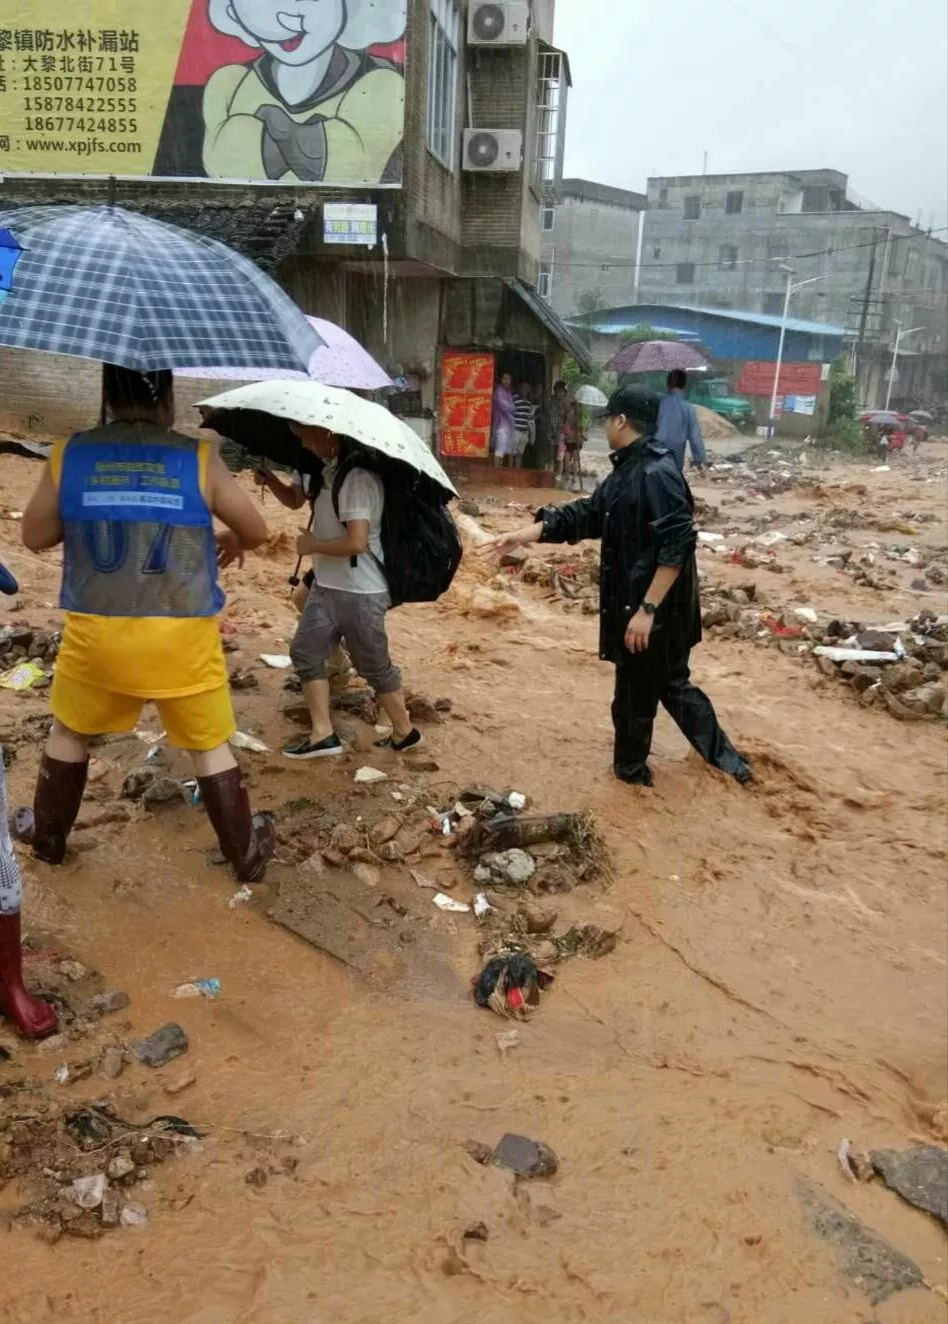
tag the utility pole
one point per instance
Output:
(866, 302)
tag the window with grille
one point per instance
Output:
(734, 202)
(551, 107)
(545, 280)
(548, 219)
(727, 257)
(445, 28)
(692, 207)
(685, 273)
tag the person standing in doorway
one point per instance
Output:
(349, 599)
(503, 440)
(650, 609)
(132, 504)
(678, 424)
(525, 412)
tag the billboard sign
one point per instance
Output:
(260, 91)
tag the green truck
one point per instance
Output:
(715, 393)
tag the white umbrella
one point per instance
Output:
(591, 396)
(348, 415)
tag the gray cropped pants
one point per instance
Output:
(10, 887)
(331, 615)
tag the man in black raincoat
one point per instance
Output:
(650, 611)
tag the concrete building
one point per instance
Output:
(590, 244)
(726, 241)
(446, 252)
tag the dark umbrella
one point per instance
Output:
(658, 356)
(108, 284)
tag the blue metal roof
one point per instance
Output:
(625, 318)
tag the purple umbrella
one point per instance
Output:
(658, 356)
(339, 361)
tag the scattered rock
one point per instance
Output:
(369, 776)
(74, 971)
(527, 1158)
(121, 1166)
(103, 1004)
(827, 667)
(162, 1047)
(88, 1191)
(479, 1152)
(864, 1257)
(537, 918)
(509, 868)
(384, 830)
(180, 1083)
(421, 709)
(901, 676)
(111, 1063)
(133, 1215)
(366, 874)
(110, 1210)
(476, 1232)
(344, 838)
(257, 1178)
(515, 558)
(919, 1175)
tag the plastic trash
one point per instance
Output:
(482, 906)
(240, 897)
(22, 677)
(448, 903)
(198, 988)
(61, 1075)
(192, 790)
(882, 468)
(240, 740)
(837, 654)
(517, 801)
(369, 776)
(708, 538)
(279, 661)
(807, 614)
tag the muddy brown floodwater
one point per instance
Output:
(779, 984)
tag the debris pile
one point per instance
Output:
(26, 657)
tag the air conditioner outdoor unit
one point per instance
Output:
(498, 23)
(493, 149)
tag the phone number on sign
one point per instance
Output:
(66, 83)
(69, 124)
(88, 105)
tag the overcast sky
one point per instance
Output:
(843, 84)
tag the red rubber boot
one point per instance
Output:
(59, 790)
(33, 1018)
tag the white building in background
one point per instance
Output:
(589, 244)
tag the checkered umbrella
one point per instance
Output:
(109, 284)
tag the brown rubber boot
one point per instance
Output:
(46, 827)
(247, 840)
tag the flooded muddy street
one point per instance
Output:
(778, 985)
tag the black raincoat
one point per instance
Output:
(643, 513)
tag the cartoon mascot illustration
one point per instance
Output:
(315, 105)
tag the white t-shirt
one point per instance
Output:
(361, 496)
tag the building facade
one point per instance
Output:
(590, 247)
(730, 241)
(445, 253)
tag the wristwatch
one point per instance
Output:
(649, 608)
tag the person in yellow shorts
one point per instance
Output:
(132, 503)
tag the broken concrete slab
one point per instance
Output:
(863, 1256)
(919, 1175)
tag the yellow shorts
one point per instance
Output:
(193, 721)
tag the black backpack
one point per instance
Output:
(420, 540)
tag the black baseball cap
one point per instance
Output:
(637, 403)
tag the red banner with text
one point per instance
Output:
(467, 397)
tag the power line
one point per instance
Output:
(748, 261)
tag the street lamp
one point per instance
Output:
(791, 291)
(899, 337)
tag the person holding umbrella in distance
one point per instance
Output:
(650, 615)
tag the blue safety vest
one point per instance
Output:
(138, 536)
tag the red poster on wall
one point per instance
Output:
(467, 395)
(795, 378)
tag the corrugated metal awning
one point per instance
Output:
(557, 328)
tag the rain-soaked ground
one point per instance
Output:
(778, 985)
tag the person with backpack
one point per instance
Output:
(349, 597)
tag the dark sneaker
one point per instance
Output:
(414, 740)
(744, 775)
(641, 777)
(309, 749)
